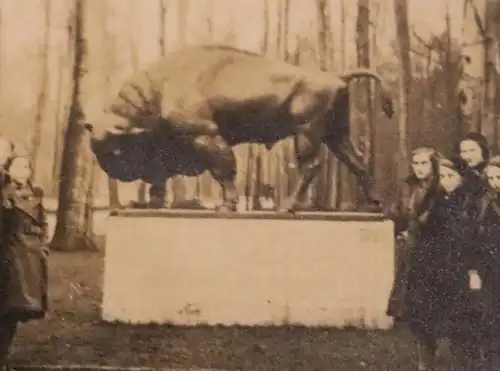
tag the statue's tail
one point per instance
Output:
(385, 95)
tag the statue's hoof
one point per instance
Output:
(226, 208)
(156, 205)
(372, 208)
(286, 210)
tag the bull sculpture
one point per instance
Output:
(183, 115)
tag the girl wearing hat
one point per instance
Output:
(438, 279)
(473, 149)
(23, 253)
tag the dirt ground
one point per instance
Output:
(73, 334)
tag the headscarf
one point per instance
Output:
(482, 142)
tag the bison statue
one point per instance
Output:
(183, 115)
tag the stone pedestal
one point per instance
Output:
(255, 268)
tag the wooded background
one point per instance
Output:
(61, 58)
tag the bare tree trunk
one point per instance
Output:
(249, 187)
(286, 29)
(324, 184)
(109, 42)
(276, 155)
(364, 105)
(343, 182)
(451, 98)
(374, 101)
(264, 48)
(63, 107)
(59, 133)
(163, 25)
(279, 34)
(488, 122)
(134, 58)
(74, 214)
(42, 93)
(286, 147)
(496, 19)
(260, 154)
(178, 185)
(163, 50)
(405, 78)
(1, 44)
(471, 84)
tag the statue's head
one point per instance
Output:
(118, 146)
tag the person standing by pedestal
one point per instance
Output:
(23, 252)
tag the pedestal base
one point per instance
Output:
(256, 268)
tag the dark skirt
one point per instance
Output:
(23, 283)
(396, 305)
(438, 300)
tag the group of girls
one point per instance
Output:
(447, 282)
(23, 247)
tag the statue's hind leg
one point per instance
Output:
(307, 154)
(221, 163)
(345, 152)
(157, 195)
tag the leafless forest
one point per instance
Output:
(62, 58)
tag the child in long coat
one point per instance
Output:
(473, 149)
(23, 253)
(438, 300)
(409, 214)
(488, 246)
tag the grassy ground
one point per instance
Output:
(73, 333)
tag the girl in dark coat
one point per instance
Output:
(488, 245)
(23, 253)
(438, 297)
(409, 216)
(473, 148)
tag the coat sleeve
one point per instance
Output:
(398, 213)
(43, 221)
(38, 192)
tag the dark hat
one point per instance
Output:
(481, 140)
(455, 163)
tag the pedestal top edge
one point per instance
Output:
(210, 214)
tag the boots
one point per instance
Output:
(468, 357)
(426, 353)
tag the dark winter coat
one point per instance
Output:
(23, 282)
(476, 181)
(488, 246)
(439, 301)
(409, 214)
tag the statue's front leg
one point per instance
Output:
(307, 154)
(157, 195)
(221, 163)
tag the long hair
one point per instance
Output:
(434, 157)
(432, 183)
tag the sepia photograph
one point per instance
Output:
(249, 185)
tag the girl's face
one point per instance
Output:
(20, 169)
(493, 174)
(449, 179)
(421, 165)
(471, 152)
